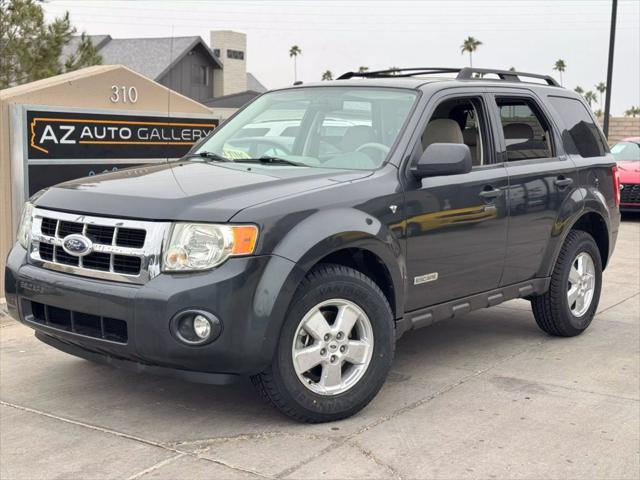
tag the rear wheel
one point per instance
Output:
(568, 307)
(335, 348)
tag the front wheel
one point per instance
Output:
(335, 348)
(568, 307)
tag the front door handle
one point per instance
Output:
(563, 181)
(490, 193)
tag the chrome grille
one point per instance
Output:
(630, 193)
(123, 250)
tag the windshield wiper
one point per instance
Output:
(207, 156)
(269, 160)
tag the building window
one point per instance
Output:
(216, 52)
(235, 54)
(200, 74)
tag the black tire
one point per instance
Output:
(552, 310)
(280, 385)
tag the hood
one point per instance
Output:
(629, 171)
(195, 191)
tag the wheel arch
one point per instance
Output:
(590, 221)
(346, 236)
(595, 225)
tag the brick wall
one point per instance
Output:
(622, 127)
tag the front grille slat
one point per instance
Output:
(49, 226)
(63, 257)
(86, 324)
(130, 237)
(46, 251)
(97, 261)
(67, 228)
(126, 264)
(100, 234)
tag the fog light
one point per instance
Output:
(195, 327)
(201, 327)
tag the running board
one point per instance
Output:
(442, 311)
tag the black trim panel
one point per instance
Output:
(435, 313)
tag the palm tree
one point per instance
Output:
(632, 112)
(362, 69)
(327, 75)
(601, 87)
(470, 45)
(579, 90)
(590, 97)
(560, 66)
(293, 53)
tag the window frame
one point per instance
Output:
(557, 150)
(235, 54)
(414, 150)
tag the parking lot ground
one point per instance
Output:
(487, 395)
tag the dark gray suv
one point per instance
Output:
(302, 238)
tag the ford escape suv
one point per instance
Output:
(387, 202)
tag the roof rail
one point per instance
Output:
(398, 72)
(465, 73)
(508, 75)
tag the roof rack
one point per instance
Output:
(465, 73)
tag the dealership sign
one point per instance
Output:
(74, 135)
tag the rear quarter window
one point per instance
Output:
(585, 138)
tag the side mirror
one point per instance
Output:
(443, 159)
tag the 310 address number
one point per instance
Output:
(123, 94)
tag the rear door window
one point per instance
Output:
(526, 131)
(585, 135)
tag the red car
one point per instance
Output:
(627, 154)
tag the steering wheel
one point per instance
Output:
(380, 147)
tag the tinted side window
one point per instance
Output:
(526, 131)
(583, 132)
(459, 120)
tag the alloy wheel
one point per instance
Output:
(582, 284)
(332, 347)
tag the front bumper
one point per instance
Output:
(249, 295)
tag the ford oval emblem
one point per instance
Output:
(77, 245)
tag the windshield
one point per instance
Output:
(324, 127)
(626, 151)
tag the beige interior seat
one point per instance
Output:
(521, 143)
(441, 130)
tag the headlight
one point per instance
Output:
(199, 246)
(24, 229)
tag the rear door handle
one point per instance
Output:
(489, 192)
(563, 182)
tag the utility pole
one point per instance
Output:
(612, 41)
